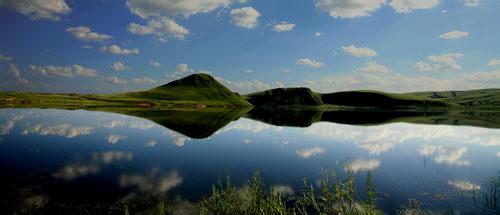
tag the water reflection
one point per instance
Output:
(48, 155)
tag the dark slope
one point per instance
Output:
(379, 99)
(285, 97)
(200, 88)
(365, 99)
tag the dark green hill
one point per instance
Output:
(361, 99)
(197, 87)
(285, 97)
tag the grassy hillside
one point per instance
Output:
(194, 91)
(486, 98)
(364, 99)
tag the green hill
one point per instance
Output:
(201, 88)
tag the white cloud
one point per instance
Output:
(395, 82)
(494, 62)
(246, 17)
(446, 154)
(317, 34)
(84, 33)
(464, 185)
(114, 138)
(172, 8)
(5, 58)
(348, 8)
(64, 130)
(65, 71)
(498, 154)
(144, 80)
(247, 141)
(16, 74)
(363, 165)
(283, 190)
(440, 63)
(152, 183)
(310, 62)
(177, 139)
(454, 35)
(359, 51)
(407, 6)
(283, 26)
(161, 27)
(87, 46)
(472, 3)
(115, 49)
(184, 68)
(373, 67)
(39, 9)
(116, 80)
(119, 66)
(307, 153)
(154, 63)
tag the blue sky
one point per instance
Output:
(106, 46)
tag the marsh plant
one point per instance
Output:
(334, 195)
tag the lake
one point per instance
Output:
(80, 157)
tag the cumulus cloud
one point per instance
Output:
(183, 67)
(144, 80)
(154, 63)
(464, 185)
(16, 74)
(64, 71)
(119, 66)
(171, 8)
(446, 154)
(407, 6)
(454, 35)
(440, 63)
(64, 130)
(494, 62)
(84, 33)
(317, 34)
(161, 27)
(117, 50)
(39, 9)
(116, 80)
(472, 3)
(310, 62)
(114, 138)
(396, 82)
(373, 67)
(153, 183)
(359, 51)
(307, 153)
(5, 58)
(246, 17)
(348, 8)
(283, 26)
(96, 163)
(363, 165)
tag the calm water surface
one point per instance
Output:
(85, 157)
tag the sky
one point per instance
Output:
(107, 46)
